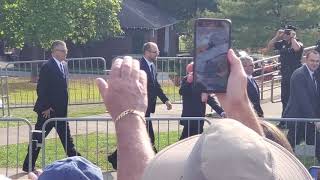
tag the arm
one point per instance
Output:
(43, 88)
(185, 88)
(160, 93)
(275, 39)
(214, 105)
(236, 102)
(127, 89)
(296, 45)
(299, 88)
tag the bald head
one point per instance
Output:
(150, 51)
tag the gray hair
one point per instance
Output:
(57, 43)
(247, 58)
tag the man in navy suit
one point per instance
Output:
(52, 101)
(252, 87)
(304, 103)
(150, 54)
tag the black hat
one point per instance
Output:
(290, 27)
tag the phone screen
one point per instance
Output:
(212, 42)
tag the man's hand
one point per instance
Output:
(293, 34)
(169, 105)
(279, 34)
(223, 115)
(204, 97)
(126, 88)
(46, 113)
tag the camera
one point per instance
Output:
(287, 31)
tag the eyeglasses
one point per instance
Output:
(155, 52)
(62, 50)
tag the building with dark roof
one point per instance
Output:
(141, 22)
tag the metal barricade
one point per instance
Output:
(273, 87)
(95, 138)
(23, 76)
(11, 137)
(264, 65)
(4, 101)
(304, 136)
(170, 72)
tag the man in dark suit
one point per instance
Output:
(252, 87)
(150, 54)
(194, 101)
(304, 103)
(52, 102)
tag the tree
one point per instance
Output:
(254, 22)
(184, 10)
(39, 22)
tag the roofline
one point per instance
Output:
(176, 21)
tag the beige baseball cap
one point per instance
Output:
(227, 150)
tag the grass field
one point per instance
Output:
(82, 90)
(93, 147)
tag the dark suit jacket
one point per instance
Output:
(192, 106)
(303, 100)
(52, 89)
(153, 87)
(254, 96)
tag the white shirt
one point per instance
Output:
(310, 72)
(149, 64)
(59, 65)
(251, 79)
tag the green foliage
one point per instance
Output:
(38, 22)
(254, 22)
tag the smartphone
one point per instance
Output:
(314, 171)
(211, 44)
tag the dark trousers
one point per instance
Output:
(63, 131)
(285, 92)
(150, 130)
(304, 131)
(191, 128)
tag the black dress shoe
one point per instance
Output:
(113, 160)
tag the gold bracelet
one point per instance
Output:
(130, 111)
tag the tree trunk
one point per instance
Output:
(36, 54)
(1, 47)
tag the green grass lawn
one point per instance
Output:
(22, 92)
(82, 90)
(73, 111)
(93, 147)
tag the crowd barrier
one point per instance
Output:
(11, 140)
(23, 75)
(95, 138)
